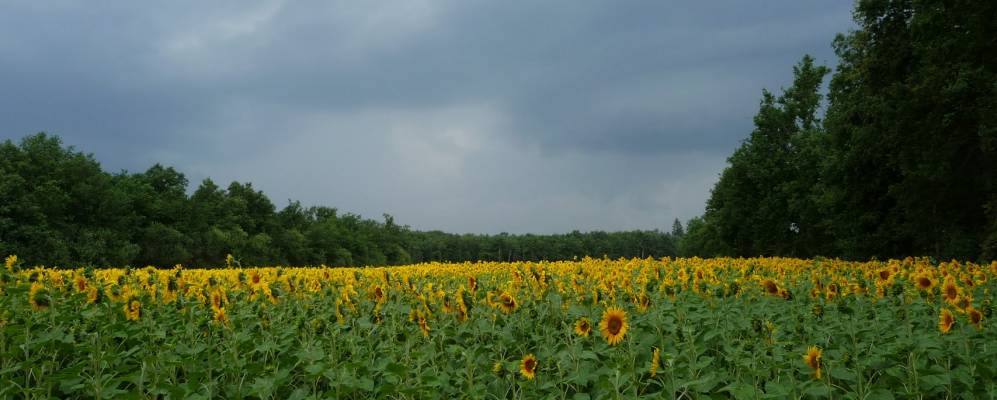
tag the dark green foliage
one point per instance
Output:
(911, 130)
(905, 162)
(60, 208)
(761, 205)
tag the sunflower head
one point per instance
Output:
(507, 303)
(884, 274)
(583, 327)
(80, 283)
(38, 297)
(945, 321)
(613, 325)
(94, 294)
(528, 367)
(10, 262)
(812, 359)
(950, 291)
(770, 287)
(133, 310)
(643, 302)
(498, 369)
(379, 295)
(975, 317)
(221, 316)
(655, 361)
(423, 323)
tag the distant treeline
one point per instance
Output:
(58, 207)
(904, 161)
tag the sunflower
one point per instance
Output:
(507, 303)
(38, 296)
(655, 361)
(80, 283)
(812, 358)
(498, 368)
(423, 324)
(221, 316)
(643, 302)
(583, 327)
(9, 262)
(528, 367)
(770, 287)
(924, 282)
(133, 310)
(832, 291)
(218, 299)
(94, 294)
(950, 292)
(340, 318)
(884, 275)
(963, 303)
(945, 321)
(613, 325)
(975, 316)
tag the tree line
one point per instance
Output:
(60, 208)
(902, 160)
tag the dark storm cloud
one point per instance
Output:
(463, 116)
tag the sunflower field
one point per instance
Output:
(594, 328)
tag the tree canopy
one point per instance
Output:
(61, 209)
(903, 162)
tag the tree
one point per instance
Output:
(761, 204)
(911, 131)
(677, 230)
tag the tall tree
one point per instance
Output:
(911, 131)
(759, 206)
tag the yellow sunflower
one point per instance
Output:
(218, 299)
(221, 316)
(379, 295)
(583, 327)
(497, 368)
(975, 316)
(93, 294)
(812, 358)
(949, 290)
(528, 367)
(643, 302)
(945, 321)
(507, 303)
(884, 275)
(770, 287)
(613, 325)
(133, 310)
(80, 283)
(655, 361)
(38, 296)
(423, 324)
(9, 262)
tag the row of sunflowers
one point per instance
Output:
(724, 327)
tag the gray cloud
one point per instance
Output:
(464, 116)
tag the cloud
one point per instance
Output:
(456, 115)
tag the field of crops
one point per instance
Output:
(692, 328)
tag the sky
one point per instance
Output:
(462, 116)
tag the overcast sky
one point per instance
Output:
(464, 116)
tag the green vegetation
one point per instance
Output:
(904, 161)
(61, 208)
